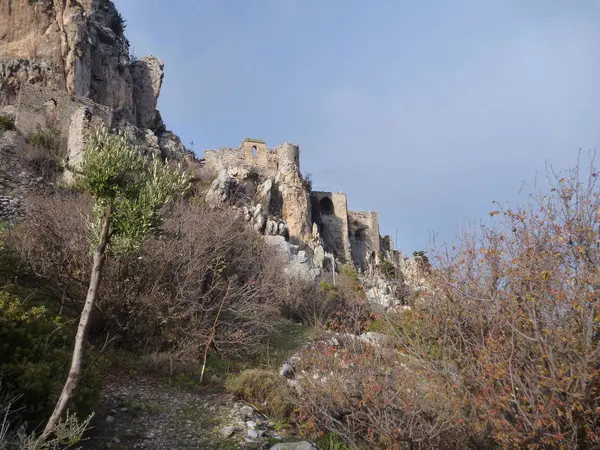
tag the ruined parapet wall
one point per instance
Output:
(41, 108)
(252, 153)
(330, 211)
(17, 72)
(365, 239)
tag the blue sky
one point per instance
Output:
(425, 110)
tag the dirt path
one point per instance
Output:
(141, 412)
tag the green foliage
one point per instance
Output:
(66, 434)
(328, 289)
(349, 271)
(387, 269)
(422, 258)
(331, 441)
(35, 347)
(118, 24)
(264, 387)
(134, 186)
(47, 138)
(377, 325)
(6, 123)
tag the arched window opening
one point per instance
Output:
(326, 206)
(254, 151)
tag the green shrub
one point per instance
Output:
(387, 269)
(264, 387)
(422, 259)
(35, 350)
(328, 289)
(118, 24)
(348, 271)
(331, 441)
(45, 138)
(6, 123)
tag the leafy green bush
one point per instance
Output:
(264, 387)
(35, 346)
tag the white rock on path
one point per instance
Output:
(303, 445)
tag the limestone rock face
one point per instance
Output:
(14, 72)
(296, 263)
(220, 189)
(83, 41)
(148, 74)
(79, 46)
(296, 200)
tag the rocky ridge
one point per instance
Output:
(80, 47)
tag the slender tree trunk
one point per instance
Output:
(99, 256)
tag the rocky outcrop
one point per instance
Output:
(221, 189)
(297, 263)
(80, 47)
(147, 76)
(82, 40)
(295, 198)
(235, 187)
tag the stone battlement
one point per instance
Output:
(253, 153)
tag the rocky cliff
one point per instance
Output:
(79, 46)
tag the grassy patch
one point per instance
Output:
(266, 390)
(6, 123)
(44, 138)
(331, 441)
(289, 338)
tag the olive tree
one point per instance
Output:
(129, 189)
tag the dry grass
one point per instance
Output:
(266, 390)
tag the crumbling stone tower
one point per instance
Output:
(352, 236)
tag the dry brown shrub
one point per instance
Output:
(373, 397)
(52, 247)
(206, 280)
(503, 353)
(518, 315)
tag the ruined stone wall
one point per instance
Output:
(40, 107)
(16, 72)
(364, 238)
(330, 212)
(253, 153)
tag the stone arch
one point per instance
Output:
(254, 151)
(326, 206)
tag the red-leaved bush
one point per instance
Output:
(503, 352)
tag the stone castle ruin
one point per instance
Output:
(350, 236)
(69, 115)
(285, 205)
(67, 67)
